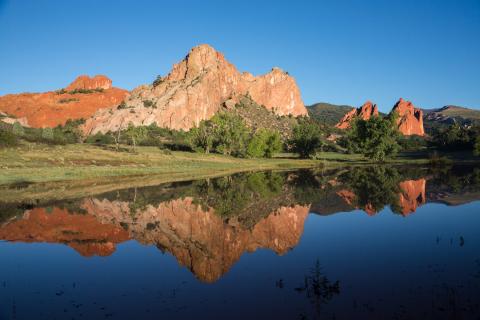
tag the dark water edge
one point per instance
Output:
(364, 243)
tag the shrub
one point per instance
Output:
(7, 138)
(68, 100)
(17, 129)
(101, 139)
(84, 91)
(47, 134)
(122, 105)
(149, 104)
(157, 81)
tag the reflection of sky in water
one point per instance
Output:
(387, 265)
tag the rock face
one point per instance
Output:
(365, 112)
(85, 82)
(195, 89)
(410, 119)
(50, 109)
(11, 120)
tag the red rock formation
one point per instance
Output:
(349, 198)
(365, 112)
(82, 232)
(410, 119)
(412, 195)
(200, 239)
(85, 82)
(195, 89)
(50, 109)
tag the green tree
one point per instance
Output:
(264, 143)
(17, 129)
(376, 138)
(230, 134)
(7, 138)
(306, 138)
(47, 134)
(202, 137)
(455, 137)
(476, 147)
(135, 134)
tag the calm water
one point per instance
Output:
(363, 243)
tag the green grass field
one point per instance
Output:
(36, 171)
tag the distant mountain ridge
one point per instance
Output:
(448, 115)
(328, 113)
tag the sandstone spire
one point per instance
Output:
(410, 119)
(365, 112)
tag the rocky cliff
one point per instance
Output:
(365, 112)
(410, 119)
(81, 99)
(195, 89)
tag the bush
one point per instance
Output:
(157, 81)
(17, 129)
(149, 104)
(84, 91)
(101, 139)
(47, 134)
(7, 138)
(122, 105)
(412, 143)
(264, 143)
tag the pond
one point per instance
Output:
(355, 242)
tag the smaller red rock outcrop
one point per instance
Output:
(85, 82)
(49, 109)
(410, 119)
(365, 112)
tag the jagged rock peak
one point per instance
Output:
(365, 112)
(410, 118)
(195, 89)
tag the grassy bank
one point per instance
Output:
(37, 171)
(44, 163)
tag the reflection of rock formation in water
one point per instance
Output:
(201, 239)
(349, 197)
(409, 195)
(412, 195)
(82, 232)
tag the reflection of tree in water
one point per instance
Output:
(374, 187)
(317, 288)
(231, 194)
(456, 179)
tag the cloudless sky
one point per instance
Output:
(342, 52)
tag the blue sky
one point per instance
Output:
(341, 52)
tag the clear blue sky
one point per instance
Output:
(339, 51)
